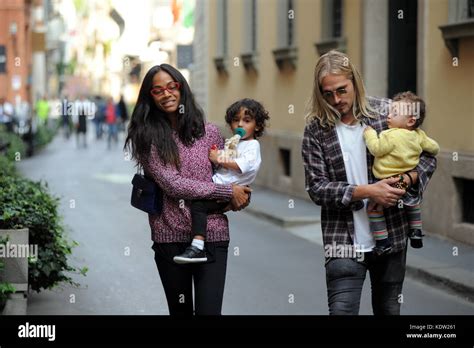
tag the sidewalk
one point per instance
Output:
(442, 263)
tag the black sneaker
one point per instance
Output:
(191, 255)
(416, 238)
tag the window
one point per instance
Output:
(253, 25)
(332, 27)
(286, 53)
(465, 190)
(290, 19)
(222, 30)
(286, 23)
(222, 36)
(285, 156)
(336, 15)
(460, 24)
(249, 56)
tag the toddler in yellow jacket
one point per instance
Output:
(397, 151)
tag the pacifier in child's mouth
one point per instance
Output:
(240, 131)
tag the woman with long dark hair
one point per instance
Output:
(168, 137)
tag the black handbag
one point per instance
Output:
(146, 194)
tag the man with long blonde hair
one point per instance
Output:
(339, 179)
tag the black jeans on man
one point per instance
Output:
(177, 279)
(345, 277)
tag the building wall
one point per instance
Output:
(284, 94)
(353, 29)
(18, 51)
(449, 93)
(447, 90)
(199, 80)
(375, 47)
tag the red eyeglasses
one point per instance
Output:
(170, 87)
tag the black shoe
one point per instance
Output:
(416, 238)
(382, 249)
(191, 255)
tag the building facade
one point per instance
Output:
(267, 50)
(15, 49)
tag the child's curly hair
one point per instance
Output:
(254, 109)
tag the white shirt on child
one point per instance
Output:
(248, 159)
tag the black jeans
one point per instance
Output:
(199, 211)
(345, 277)
(177, 279)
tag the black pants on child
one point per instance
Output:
(199, 211)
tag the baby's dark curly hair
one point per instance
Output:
(254, 109)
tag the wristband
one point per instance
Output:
(411, 179)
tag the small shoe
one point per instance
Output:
(416, 239)
(416, 234)
(191, 255)
(382, 250)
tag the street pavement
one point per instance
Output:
(273, 268)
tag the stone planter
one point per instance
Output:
(15, 256)
(16, 304)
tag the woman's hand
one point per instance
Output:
(384, 194)
(240, 197)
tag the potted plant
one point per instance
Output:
(5, 287)
(29, 205)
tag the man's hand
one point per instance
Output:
(367, 129)
(384, 194)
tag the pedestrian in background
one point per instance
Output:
(42, 110)
(65, 117)
(123, 112)
(7, 114)
(111, 119)
(99, 117)
(81, 122)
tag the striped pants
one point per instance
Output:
(378, 226)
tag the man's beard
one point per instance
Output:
(342, 113)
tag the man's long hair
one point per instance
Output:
(336, 63)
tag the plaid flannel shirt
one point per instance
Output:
(327, 186)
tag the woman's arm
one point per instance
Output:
(175, 185)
